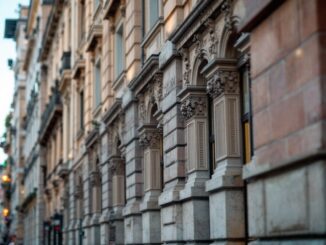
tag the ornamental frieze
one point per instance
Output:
(194, 106)
(223, 82)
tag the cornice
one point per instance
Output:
(113, 112)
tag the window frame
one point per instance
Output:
(97, 84)
(246, 117)
(118, 70)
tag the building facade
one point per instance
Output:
(174, 122)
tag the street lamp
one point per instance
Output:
(6, 178)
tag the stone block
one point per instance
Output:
(133, 229)
(262, 129)
(275, 37)
(151, 222)
(256, 209)
(196, 221)
(260, 92)
(172, 229)
(227, 214)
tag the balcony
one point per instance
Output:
(52, 112)
(94, 37)
(111, 6)
(65, 70)
(65, 61)
(63, 170)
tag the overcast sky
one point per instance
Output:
(8, 9)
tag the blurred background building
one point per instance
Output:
(167, 122)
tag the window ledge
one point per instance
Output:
(80, 133)
(97, 11)
(152, 32)
(117, 82)
(97, 110)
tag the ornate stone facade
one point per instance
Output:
(163, 135)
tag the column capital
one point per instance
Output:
(194, 106)
(223, 81)
(150, 136)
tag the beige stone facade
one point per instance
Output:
(174, 122)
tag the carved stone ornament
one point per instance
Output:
(117, 167)
(157, 89)
(197, 40)
(194, 106)
(78, 191)
(186, 66)
(141, 109)
(95, 178)
(153, 95)
(150, 139)
(223, 82)
(212, 47)
(229, 19)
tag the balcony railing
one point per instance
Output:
(52, 110)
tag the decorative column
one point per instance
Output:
(226, 198)
(151, 140)
(194, 198)
(95, 182)
(117, 175)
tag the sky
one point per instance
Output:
(8, 9)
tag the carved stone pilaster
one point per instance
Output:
(117, 166)
(194, 106)
(223, 82)
(95, 178)
(78, 191)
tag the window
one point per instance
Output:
(119, 52)
(82, 25)
(96, 4)
(97, 84)
(81, 109)
(246, 116)
(151, 13)
(211, 136)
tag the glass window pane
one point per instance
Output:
(153, 12)
(247, 145)
(119, 52)
(245, 92)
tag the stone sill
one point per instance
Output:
(253, 170)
